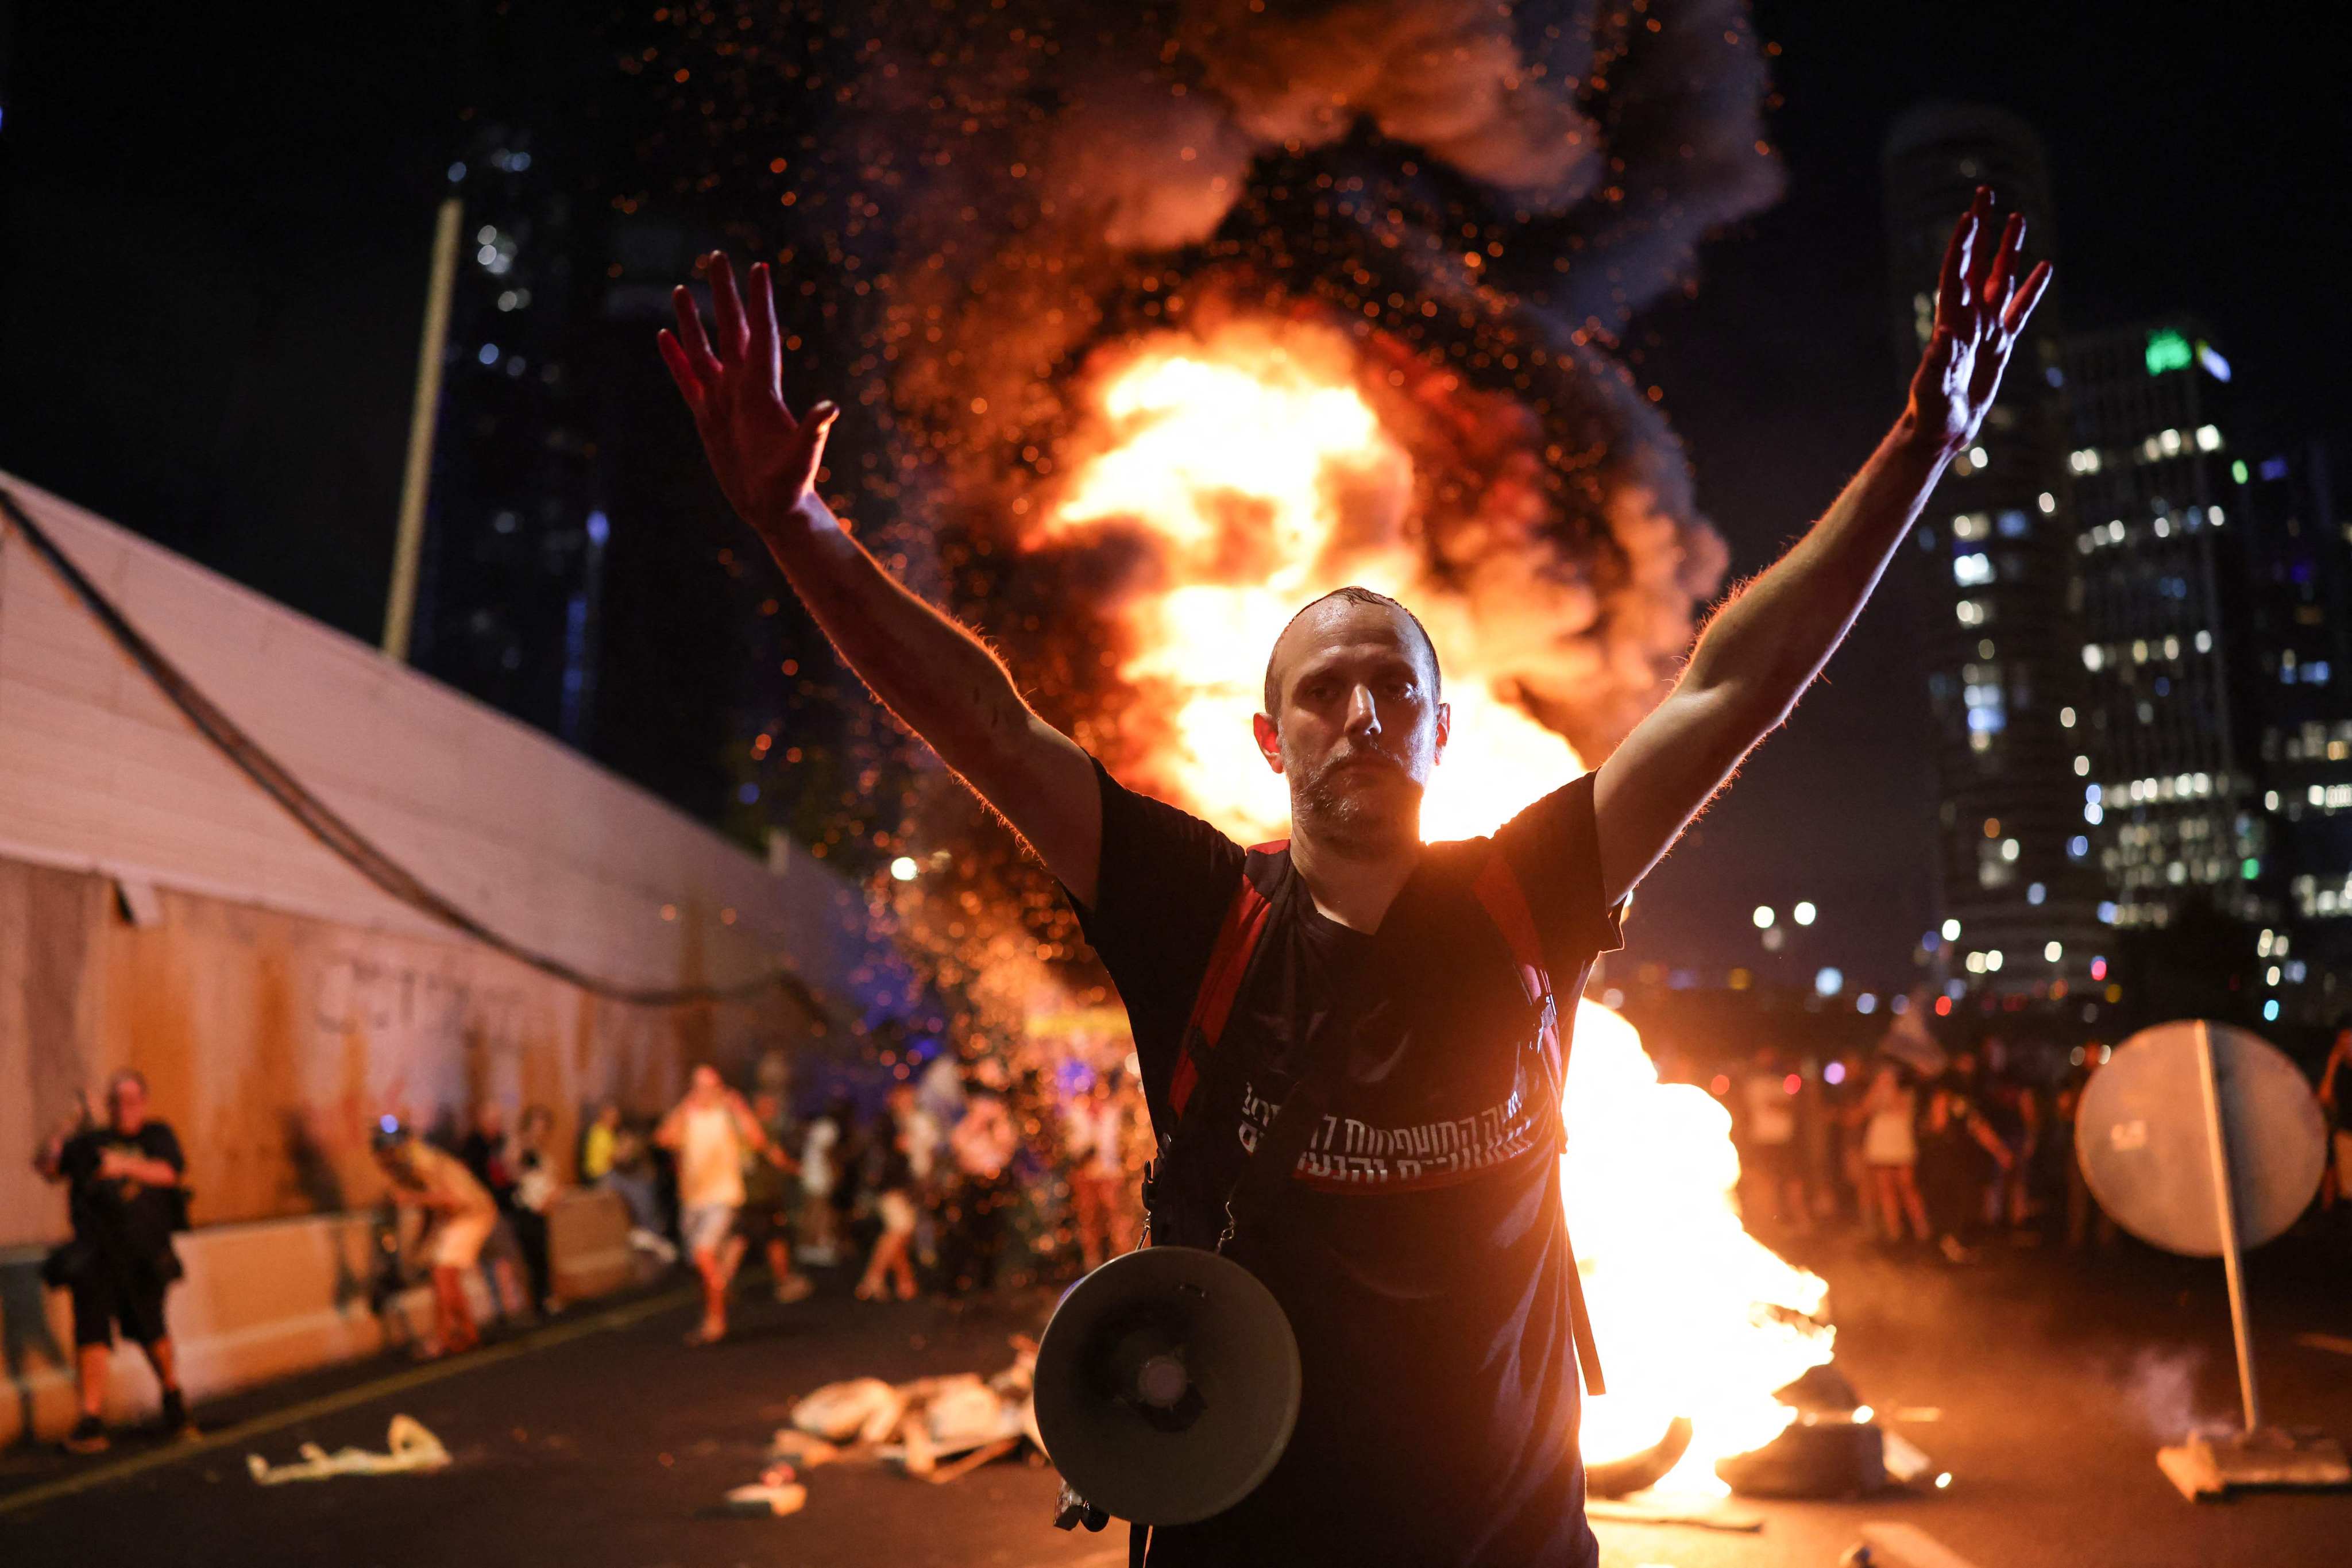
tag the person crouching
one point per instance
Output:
(460, 1215)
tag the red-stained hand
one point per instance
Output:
(765, 458)
(1980, 308)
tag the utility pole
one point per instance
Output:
(400, 609)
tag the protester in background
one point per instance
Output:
(889, 1183)
(710, 1131)
(1888, 1115)
(535, 1189)
(925, 1137)
(849, 1198)
(460, 1215)
(1769, 1155)
(1956, 1144)
(1095, 1135)
(596, 1143)
(982, 1145)
(821, 1175)
(769, 1191)
(124, 1198)
(1997, 1096)
(485, 1149)
(631, 1176)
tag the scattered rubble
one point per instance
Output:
(938, 1429)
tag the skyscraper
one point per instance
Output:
(511, 580)
(2169, 735)
(2297, 656)
(2004, 663)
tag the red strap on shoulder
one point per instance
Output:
(1229, 957)
(1506, 902)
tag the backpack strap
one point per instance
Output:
(1506, 902)
(1221, 982)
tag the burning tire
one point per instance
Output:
(1644, 1468)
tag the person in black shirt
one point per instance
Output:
(122, 1182)
(1420, 1248)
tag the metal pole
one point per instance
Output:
(2226, 1208)
(401, 607)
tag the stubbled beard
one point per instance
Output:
(1361, 826)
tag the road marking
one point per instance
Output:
(2335, 1342)
(326, 1405)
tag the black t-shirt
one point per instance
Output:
(129, 1221)
(1421, 1250)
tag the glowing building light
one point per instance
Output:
(2238, 470)
(2215, 366)
(1951, 931)
(1803, 913)
(904, 868)
(1829, 982)
(2167, 350)
(1764, 917)
(2053, 951)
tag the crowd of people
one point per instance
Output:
(1920, 1147)
(915, 1193)
(1915, 1147)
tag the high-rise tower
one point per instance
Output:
(2004, 663)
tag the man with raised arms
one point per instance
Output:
(1420, 1249)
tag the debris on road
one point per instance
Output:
(409, 1446)
(938, 1429)
(776, 1492)
(797, 1448)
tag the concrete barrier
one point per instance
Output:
(265, 1299)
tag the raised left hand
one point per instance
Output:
(1981, 310)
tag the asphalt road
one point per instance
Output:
(2043, 1383)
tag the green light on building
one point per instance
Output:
(2250, 868)
(2238, 470)
(2167, 350)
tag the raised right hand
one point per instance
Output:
(766, 459)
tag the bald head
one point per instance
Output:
(1283, 655)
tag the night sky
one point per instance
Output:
(212, 244)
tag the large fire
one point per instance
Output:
(1240, 457)
(1264, 476)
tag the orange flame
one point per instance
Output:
(1243, 456)
(1263, 477)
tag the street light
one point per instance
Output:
(1764, 917)
(904, 868)
(1951, 931)
(1804, 912)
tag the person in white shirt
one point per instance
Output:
(709, 1131)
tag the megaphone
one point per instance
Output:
(1167, 1385)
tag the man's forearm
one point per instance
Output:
(939, 680)
(1765, 646)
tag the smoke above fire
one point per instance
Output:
(993, 219)
(991, 208)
